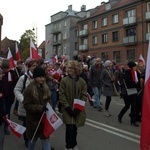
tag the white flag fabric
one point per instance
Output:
(141, 59)
(79, 104)
(51, 121)
(17, 129)
(11, 60)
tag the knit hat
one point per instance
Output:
(107, 63)
(5, 64)
(38, 72)
(131, 64)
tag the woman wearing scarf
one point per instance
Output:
(131, 81)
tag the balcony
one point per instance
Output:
(55, 31)
(129, 21)
(83, 33)
(130, 40)
(147, 36)
(56, 43)
(147, 15)
(83, 47)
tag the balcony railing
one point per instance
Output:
(83, 33)
(147, 15)
(129, 20)
(58, 42)
(83, 47)
(147, 36)
(129, 40)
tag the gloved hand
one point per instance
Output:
(44, 109)
(69, 111)
(76, 112)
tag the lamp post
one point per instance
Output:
(35, 29)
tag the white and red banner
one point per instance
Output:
(55, 59)
(18, 57)
(33, 51)
(17, 129)
(89, 98)
(79, 104)
(141, 59)
(11, 60)
(145, 127)
(51, 121)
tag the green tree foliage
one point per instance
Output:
(24, 45)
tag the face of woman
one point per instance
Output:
(71, 70)
(33, 67)
(40, 80)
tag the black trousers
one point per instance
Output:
(129, 101)
(107, 103)
(71, 136)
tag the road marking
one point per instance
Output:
(110, 129)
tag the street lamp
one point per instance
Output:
(34, 29)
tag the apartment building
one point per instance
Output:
(119, 30)
(62, 32)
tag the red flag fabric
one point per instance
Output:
(18, 57)
(141, 59)
(145, 127)
(17, 129)
(11, 60)
(55, 59)
(51, 121)
(79, 104)
(33, 51)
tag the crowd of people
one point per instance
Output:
(33, 83)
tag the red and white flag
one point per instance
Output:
(79, 104)
(145, 127)
(17, 129)
(51, 121)
(18, 57)
(33, 51)
(141, 59)
(55, 59)
(89, 98)
(11, 60)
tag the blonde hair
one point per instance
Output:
(76, 65)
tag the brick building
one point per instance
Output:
(119, 30)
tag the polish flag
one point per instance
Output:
(55, 59)
(11, 60)
(145, 126)
(33, 51)
(141, 59)
(51, 121)
(18, 57)
(79, 104)
(16, 129)
(89, 98)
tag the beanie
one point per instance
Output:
(5, 64)
(38, 72)
(131, 64)
(107, 63)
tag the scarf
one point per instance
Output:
(134, 75)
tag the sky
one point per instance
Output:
(22, 15)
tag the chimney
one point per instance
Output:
(70, 7)
(83, 8)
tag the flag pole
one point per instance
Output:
(37, 127)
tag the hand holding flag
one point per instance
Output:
(79, 104)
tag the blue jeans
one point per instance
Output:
(54, 98)
(45, 144)
(97, 96)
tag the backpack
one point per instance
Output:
(24, 82)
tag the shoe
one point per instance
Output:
(75, 148)
(99, 108)
(119, 120)
(52, 148)
(134, 124)
(107, 114)
(26, 144)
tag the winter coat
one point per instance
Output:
(95, 74)
(18, 91)
(34, 109)
(106, 79)
(69, 90)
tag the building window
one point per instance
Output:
(54, 38)
(104, 56)
(148, 27)
(104, 21)
(94, 24)
(148, 6)
(94, 40)
(104, 38)
(65, 36)
(115, 18)
(130, 55)
(115, 36)
(130, 13)
(76, 33)
(131, 32)
(84, 27)
(76, 46)
(117, 56)
(65, 23)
